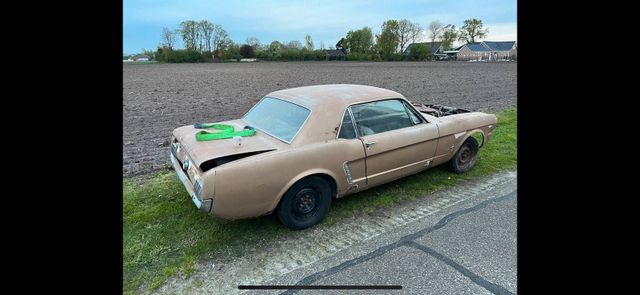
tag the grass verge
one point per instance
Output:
(164, 235)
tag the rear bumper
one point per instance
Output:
(204, 205)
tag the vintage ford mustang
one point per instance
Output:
(299, 148)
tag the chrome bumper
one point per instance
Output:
(204, 205)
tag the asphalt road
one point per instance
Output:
(468, 248)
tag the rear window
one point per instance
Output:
(278, 118)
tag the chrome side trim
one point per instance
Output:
(353, 122)
(398, 168)
(347, 173)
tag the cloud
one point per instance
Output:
(502, 32)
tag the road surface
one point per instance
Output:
(460, 240)
(471, 249)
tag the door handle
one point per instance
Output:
(369, 144)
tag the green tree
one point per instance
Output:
(449, 34)
(168, 39)
(253, 42)
(231, 51)
(206, 32)
(471, 30)
(275, 46)
(294, 44)
(407, 33)
(419, 52)
(275, 50)
(387, 40)
(181, 55)
(246, 51)
(359, 41)
(148, 53)
(189, 33)
(340, 44)
(220, 38)
(309, 42)
(435, 30)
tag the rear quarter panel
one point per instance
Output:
(253, 186)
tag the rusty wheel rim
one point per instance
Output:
(305, 201)
(466, 156)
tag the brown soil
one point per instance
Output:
(161, 97)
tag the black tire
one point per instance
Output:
(466, 156)
(305, 204)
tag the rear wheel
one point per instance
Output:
(305, 204)
(466, 156)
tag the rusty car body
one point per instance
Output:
(316, 143)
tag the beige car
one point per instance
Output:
(299, 148)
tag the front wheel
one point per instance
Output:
(466, 156)
(305, 204)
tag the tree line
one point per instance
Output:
(395, 36)
(205, 41)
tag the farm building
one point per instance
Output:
(333, 54)
(435, 48)
(473, 51)
(452, 53)
(488, 50)
(142, 58)
(502, 49)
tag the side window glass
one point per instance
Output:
(414, 117)
(380, 116)
(346, 129)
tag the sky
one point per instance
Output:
(325, 20)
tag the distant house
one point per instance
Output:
(501, 50)
(473, 51)
(333, 54)
(142, 58)
(435, 48)
(488, 50)
(452, 53)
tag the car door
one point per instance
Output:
(396, 139)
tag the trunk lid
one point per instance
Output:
(202, 151)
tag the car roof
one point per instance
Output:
(333, 95)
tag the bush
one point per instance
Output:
(359, 56)
(264, 55)
(419, 52)
(391, 57)
(149, 53)
(291, 54)
(182, 56)
(231, 52)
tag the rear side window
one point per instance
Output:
(346, 129)
(381, 116)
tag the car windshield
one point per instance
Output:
(278, 118)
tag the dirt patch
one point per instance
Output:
(158, 98)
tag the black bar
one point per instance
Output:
(319, 287)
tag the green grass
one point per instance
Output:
(164, 235)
